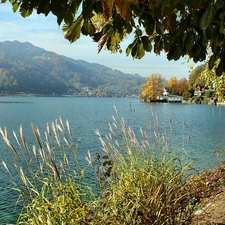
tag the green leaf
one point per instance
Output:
(84, 30)
(148, 22)
(200, 57)
(184, 24)
(88, 9)
(166, 43)
(158, 46)
(219, 4)
(222, 30)
(25, 12)
(72, 33)
(130, 47)
(128, 28)
(220, 68)
(219, 39)
(146, 44)
(59, 10)
(140, 51)
(138, 32)
(91, 28)
(159, 28)
(107, 28)
(76, 5)
(207, 18)
(97, 36)
(44, 7)
(214, 47)
(134, 49)
(212, 61)
(97, 7)
(196, 49)
(165, 3)
(15, 6)
(69, 17)
(114, 38)
(150, 27)
(174, 53)
(60, 19)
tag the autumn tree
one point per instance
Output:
(176, 27)
(177, 87)
(153, 88)
(216, 82)
(182, 86)
(195, 77)
(173, 85)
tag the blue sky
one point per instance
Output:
(44, 32)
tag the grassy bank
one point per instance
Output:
(136, 179)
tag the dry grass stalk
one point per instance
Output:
(141, 181)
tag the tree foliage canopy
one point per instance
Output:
(195, 76)
(173, 84)
(180, 28)
(153, 88)
(216, 82)
(178, 87)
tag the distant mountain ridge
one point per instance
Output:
(27, 68)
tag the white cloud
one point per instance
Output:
(44, 32)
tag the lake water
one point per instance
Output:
(197, 129)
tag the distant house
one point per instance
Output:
(171, 98)
(167, 91)
(199, 88)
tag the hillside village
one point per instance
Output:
(29, 70)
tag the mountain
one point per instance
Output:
(30, 69)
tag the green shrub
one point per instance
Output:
(198, 100)
(209, 93)
(186, 95)
(146, 183)
(58, 203)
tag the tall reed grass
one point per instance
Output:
(139, 179)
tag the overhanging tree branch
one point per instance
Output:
(179, 28)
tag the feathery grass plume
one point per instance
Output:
(89, 159)
(16, 138)
(23, 139)
(56, 134)
(6, 140)
(7, 169)
(68, 128)
(147, 179)
(37, 135)
(53, 187)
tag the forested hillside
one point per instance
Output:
(30, 69)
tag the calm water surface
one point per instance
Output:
(197, 129)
